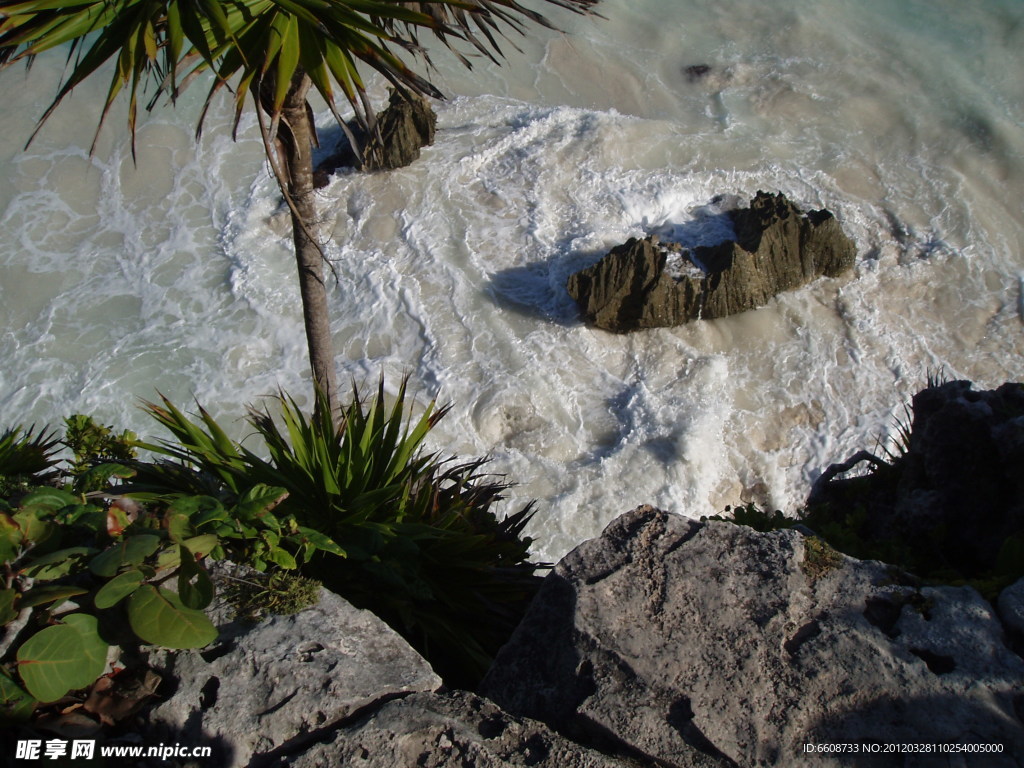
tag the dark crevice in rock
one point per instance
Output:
(323, 735)
(593, 735)
(937, 663)
(1018, 707)
(208, 694)
(271, 710)
(682, 540)
(808, 631)
(210, 655)
(535, 749)
(586, 685)
(492, 727)
(883, 614)
(680, 717)
(604, 574)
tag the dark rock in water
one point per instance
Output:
(647, 284)
(696, 71)
(693, 643)
(952, 500)
(403, 128)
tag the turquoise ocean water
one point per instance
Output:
(905, 119)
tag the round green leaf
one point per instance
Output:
(118, 588)
(194, 585)
(62, 658)
(201, 546)
(11, 538)
(7, 609)
(159, 617)
(191, 506)
(56, 564)
(15, 704)
(131, 550)
(282, 557)
(50, 499)
(50, 594)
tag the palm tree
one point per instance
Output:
(273, 51)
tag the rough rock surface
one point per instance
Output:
(403, 128)
(450, 729)
(647, 284)
(691, 641)
(272, 686)
(1011, 611)
(958, 486)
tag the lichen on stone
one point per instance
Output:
(278, 593)
(819, 558)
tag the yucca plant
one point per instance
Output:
(273, 51)
(26, 455)
(424, 550)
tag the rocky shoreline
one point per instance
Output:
(666, 641)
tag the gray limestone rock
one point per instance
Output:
(450, 729)
(274, 685)
(711, 642)
(1011, 609)
(649, 284)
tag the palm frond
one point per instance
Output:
(253, 46)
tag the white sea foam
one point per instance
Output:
(907, 122)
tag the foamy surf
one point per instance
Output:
(905, 122)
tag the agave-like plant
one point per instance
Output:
(424, 550)
(27, 454)
(273, 51)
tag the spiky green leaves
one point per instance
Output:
(259, 46)
(424, 550)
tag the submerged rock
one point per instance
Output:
(647, 284)
(709, 643)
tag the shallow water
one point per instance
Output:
(906, 120)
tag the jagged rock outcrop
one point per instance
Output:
(953, 497)
(649, 284)
(334, 686)
(1011, 611)
(702, 643)
(270, 686)
(405, 126)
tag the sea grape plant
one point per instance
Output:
(84, 572)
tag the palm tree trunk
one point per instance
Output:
(295, 139)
